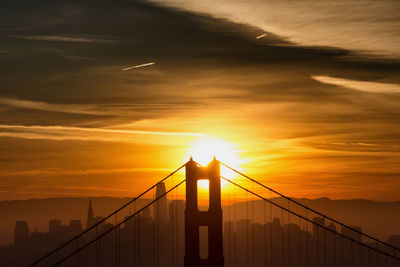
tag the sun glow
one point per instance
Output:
(204, 149)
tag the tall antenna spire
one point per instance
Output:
(90, 217)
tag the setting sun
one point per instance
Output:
(204, 149)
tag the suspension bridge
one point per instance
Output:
(244, 223)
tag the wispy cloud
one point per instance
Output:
(89, 109)
(67, 108)
(53, 172)
(367, 26)
(45, 193)
(364, 86)
(80, 133)
(62, 38)
(100, 189)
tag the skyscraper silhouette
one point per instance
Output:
(161, 224)
(90, 217)
(161, 207)
(21, 232)
(55, 226)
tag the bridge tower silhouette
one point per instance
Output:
(212, 218)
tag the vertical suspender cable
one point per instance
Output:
(230, 223)
(270, 236)
(288, 224)
(377, 255)
(227, 233)
(119, 246)
(283, 242)
(139, 241)
(100, 254)
(97, 249)
(154, 223)
(386, 261)
(342, 249)
(136, 236)
(247, 229)
(234, 237)
(300, 249)
(253, 225)
(77, 254)
(369, 257)
(115, 241)
(176, 248)
(325, 254)
(171, 234)
(265, 234)
(37, 265)
(317, 244)
(334, 252)
(175, 225)
(307, 234)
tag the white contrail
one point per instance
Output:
(72, 129)
(261, 36)
(139, 66)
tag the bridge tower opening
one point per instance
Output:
(212, 218)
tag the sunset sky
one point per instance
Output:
(104, 98)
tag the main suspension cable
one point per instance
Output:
(104, 219)
(308, 208)
(119, 224)
(314, 223)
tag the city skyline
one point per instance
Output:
(155, 226)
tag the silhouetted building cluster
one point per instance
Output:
(139, 238)
(57, 232)
(28, 245)
(276, 244)
(155, 237)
